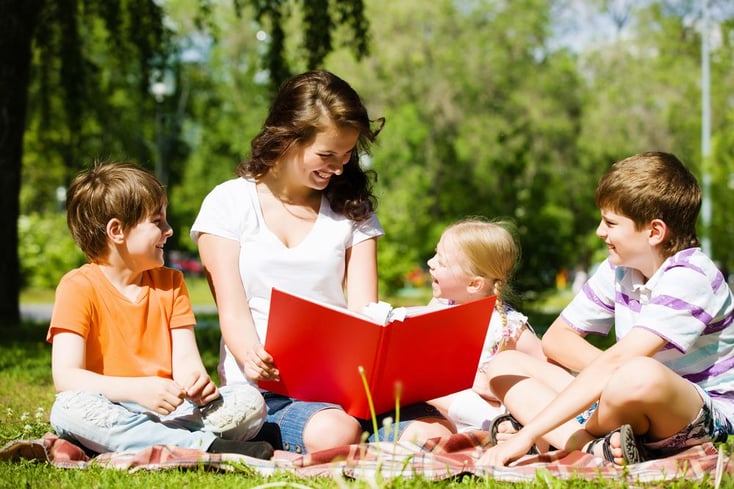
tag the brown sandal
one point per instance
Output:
(494, 428)
(631, 451)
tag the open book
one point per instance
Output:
(318, 348)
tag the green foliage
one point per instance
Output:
(484, 116)
(317, 27)
(469, 132)
(721, 168)
(46, 249)
(228, 110)
(88, 94)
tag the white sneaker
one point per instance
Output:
(238, 414)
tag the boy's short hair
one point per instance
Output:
(650, 186)
(120, 190)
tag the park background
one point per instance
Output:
(504, 109)
(508, 110)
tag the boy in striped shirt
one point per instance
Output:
(668, 382)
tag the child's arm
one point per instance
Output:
(188, 369)
(70, 374)
(583, 390)
(566, 346)
(529, 343)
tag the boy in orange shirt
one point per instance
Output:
(125, 362)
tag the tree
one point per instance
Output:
(482, 119)
(17, 22)
(90, 64)
(645, 94)
(51, 33)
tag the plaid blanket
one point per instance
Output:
(437, 459)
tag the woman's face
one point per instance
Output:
(314, 164)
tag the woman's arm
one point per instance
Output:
(220, 258)
(361, 274)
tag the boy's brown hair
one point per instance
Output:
(120, 190)
(650, 186)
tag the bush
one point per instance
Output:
(46, 250)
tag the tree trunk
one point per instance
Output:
(18, 19)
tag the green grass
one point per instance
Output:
(27, 394)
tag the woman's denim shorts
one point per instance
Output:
(291, 415)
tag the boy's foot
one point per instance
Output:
(238, 416)
(270, 432)
(256, 449)
(620, 447)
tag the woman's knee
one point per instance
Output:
(330, 428)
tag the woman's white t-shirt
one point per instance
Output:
(314, 269)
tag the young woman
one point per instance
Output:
(300, 217)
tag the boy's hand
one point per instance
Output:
(507, 451)
(202, 390)
(258, 365)
(158, 394)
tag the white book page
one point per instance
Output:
(383, 313)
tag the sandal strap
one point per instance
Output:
(497, 421)
(630, 450)
(606, 447)
(495, 426)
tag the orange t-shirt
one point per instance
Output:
(123, 338)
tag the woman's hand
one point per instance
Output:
(258, 365)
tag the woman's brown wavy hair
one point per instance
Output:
(305, 105)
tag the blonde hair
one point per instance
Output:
(491, 251)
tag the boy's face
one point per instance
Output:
(627, 246)
(146, 239)
(450, 281)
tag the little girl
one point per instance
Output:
(475, 258)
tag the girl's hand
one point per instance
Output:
(158, 394)
(258, 365)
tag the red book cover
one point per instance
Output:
(319, 348)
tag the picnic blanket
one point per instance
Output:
(437, 459)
